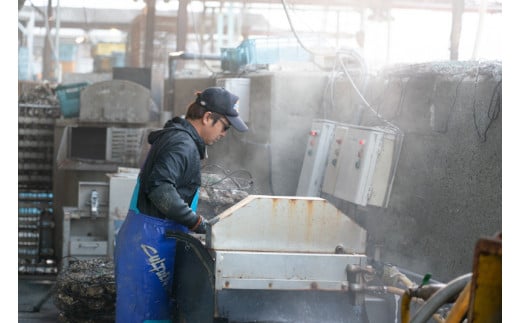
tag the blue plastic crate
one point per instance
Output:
(68, 96)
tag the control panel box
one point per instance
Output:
(361, 164)
(314, 162)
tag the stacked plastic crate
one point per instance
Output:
(36, 254)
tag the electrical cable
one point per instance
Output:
(474, 100)
(289, 20)
(404, 90)
(380, 117)
(330, 86)
(494, 113)
(229, 175)
(231, 178)
(324, 101)
(354, 85)
(493, 109)
(336, 71)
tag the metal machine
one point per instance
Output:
(300, 259)
(275, 259)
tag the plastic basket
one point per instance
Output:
(68, 96)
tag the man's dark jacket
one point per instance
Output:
(171, 174)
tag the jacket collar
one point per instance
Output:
(180, 124)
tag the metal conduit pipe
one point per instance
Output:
(440, 298)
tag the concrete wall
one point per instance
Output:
(447, 188)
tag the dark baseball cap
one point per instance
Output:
(221, 101)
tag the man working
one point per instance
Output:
(165, 198)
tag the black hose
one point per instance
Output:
(198, 249)
(441, 297)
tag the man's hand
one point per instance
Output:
(202, 226)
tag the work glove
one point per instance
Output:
(203, 226)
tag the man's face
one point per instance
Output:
(214, 131)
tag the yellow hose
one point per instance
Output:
(405, 307)
(460, 307)
(406, 298)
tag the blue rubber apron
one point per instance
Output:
(144, 263)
